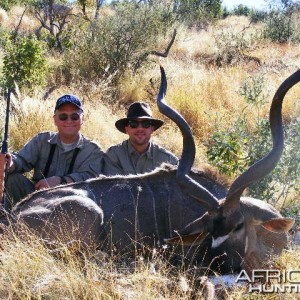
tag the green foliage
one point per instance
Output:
(225, 149)
(292, 210)
(191, 11)
(117, 43)
(7, 4)
(24, 63)
(279, 27)
(282, 22)
(44, 3)
(241, 10)
(257, 15)
(236, 149)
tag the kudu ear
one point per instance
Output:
(262, 213)
(279, 224)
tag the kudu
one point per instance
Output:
(174, 205)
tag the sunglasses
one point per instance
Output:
(135, 124)
(73, 117)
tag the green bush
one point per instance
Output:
(279, 27)
(24, 63)
(118, 43)
(7, 4)
(282, 22)
(241, 10)
(257, 15)
(225, 149)
(193, 11)
(235, 150)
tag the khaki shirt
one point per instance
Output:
(34, 156)
(123, 159)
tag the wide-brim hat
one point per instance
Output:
(138, 110)
(68, 98)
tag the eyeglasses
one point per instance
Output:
(73, 117)
(135, 124)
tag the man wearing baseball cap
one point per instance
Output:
(138, 154)
(56, 158)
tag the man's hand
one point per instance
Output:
(48, 182)
(6, 160)
(3, 160)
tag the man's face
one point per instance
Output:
(139, 131)
(68, 119)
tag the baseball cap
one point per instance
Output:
(68, 98)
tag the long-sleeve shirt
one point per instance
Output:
(34, 156)
(123, 159)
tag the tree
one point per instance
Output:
(53, 17)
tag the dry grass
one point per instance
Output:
(15, 15)
(3, 16)
(30, 270)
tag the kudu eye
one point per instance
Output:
(239, 227)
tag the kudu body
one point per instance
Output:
(177, 206)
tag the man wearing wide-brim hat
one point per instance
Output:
(138, 154)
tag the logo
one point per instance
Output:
(271, 281)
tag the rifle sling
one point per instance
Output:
(73, 160)
(50, 158)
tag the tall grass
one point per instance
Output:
(30, 270)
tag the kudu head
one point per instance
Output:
(233, 221)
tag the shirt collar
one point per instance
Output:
(55, 140)
(132, 151)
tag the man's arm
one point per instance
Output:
(25, 160)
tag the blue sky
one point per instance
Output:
(258, 4)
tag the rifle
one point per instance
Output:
(4, 149)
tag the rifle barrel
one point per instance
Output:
(4, 147)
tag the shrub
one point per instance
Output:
(278, 26)
(282, 22)
(24, 63)
(7, 4)
(118, 42)
(241, 10)
(257, 15)
(225, 149)
(193, 11)
(233, 47)
(236, 149)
